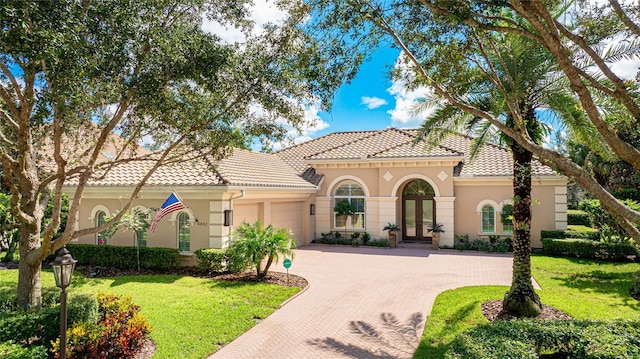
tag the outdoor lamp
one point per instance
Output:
(63, 267)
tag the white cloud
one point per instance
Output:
(406, 98)
(261, 13)
(626, 69)
(372, 102)
(314, 124)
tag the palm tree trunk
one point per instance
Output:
(521, 300)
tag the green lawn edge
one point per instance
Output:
(191, 317)
(585, 289)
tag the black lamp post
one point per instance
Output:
(63, 267)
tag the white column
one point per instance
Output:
(379, 212)
(444, 215)
(218, 233)
(561, 207)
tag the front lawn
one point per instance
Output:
(585, 289)
(191, 317)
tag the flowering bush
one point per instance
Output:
(119, 332)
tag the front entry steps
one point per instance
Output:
(415, 245)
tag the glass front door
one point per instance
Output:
(417, 211)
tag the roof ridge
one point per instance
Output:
(371, 134)
(388, 148)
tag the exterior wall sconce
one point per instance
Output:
(228, 217)
(312, 209)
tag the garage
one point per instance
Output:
(289, 215)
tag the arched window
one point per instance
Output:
(141, 233)
(184, 232)
(488, 219)
(101, 218)
(353, 193)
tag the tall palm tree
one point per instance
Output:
(523, 82)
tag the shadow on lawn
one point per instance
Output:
(608, 283)
(391, 339)
(434, 344)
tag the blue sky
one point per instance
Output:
(372, 101)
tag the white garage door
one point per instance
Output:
(289, 215)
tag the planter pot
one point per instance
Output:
(435, 241)
(392, 239)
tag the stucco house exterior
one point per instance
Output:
(382, 173)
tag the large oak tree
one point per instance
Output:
(83, 82)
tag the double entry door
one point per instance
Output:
(417, 218)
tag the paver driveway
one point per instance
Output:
(363, 302)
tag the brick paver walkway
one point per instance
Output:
(363, 302)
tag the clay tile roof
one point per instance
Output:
(248, 168)
(493, 160)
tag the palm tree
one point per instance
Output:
(259, 246)
(523, 76)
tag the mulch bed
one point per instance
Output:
(492, 310)
(272, 277)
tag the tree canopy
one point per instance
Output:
(83, 83)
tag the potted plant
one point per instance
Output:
(436, 228)
(392, 228)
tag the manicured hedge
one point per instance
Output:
(578, 217)
(40, 326)
(123, 257)
(582, 248)
(573, 231)
(211, 259)
(619, 339)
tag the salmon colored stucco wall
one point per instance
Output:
(470, 195)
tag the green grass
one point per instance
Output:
(191, 317)
(584, 289)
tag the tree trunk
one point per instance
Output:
(29, 285)
(521, 300)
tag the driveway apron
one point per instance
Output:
(363, 302)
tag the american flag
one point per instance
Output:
(172, 204)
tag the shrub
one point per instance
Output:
(10, 350)
(118, 333)
(122, 257)
(567, 339)
(366, 237)
(581, 248)
(355, 235)
(40, 326)
(601, 218)
(573, 231)
(578, 217)
(380, 243)
(211, 259)
(495, 244)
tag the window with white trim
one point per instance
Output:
(352, 192)
(488, 218)
(101, 218)
(184, 232)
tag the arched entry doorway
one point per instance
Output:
(418, 211)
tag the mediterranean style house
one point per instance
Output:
(381, 173)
